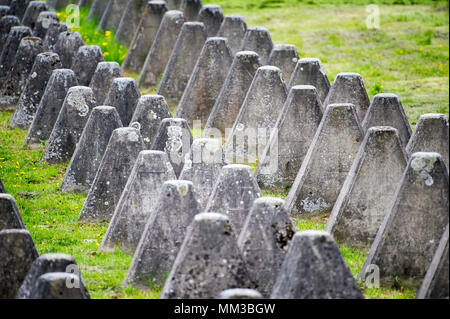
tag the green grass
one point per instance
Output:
(408, 56)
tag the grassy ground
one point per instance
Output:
(408, 55)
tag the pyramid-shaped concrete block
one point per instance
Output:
(191, 9)
(144, 36)
(173, 4)
(175, 138)
(112, 175)
(67, 47)
(234, 29)
(43, 22)
(288, 146)
(112, 15)
(6, 23)
(239, 293)
(130, 21)
(4, 9)
(138, 201)
(315, 269)
(51, 103)
(264, 241)
(43, 67)
(206, 81)
(8, 55)
(203, 167)
(18, 7)
(69, 125)
(32, 12)
(162, 47)
(45, 264)
(180, 66)
(327, 163)
(149, 113)
(9, 213)
(284, 57)
(435, 285)
(91, 147)
(85, 63)
(234, 194)
(349, 88)
(17, 253)
(414, 223)
(209, 261)
(163, 235)
(257, 116)
(233, 92)
(387, 110)
(212, 17)
(369, 188)
(104, 75)
(309, 71)
(123, 95)
(258, 39)
(54, 286)
(431, 135)
(97, 10)
(17, 78)
(51, 37)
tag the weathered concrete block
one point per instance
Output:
(4, 11)
(212, 17)
(234, 193)
(327, 163)
(173, 4)
(435, 285)
(97, 10)
(203, 167)
(315, 269)
(309, 71)
(430, 135)
(8, 55)
(112, 15)
(123, 95)
(43, 22)
(54, 286)
(17, 253)
(233, 28)
(284, 57)
(69, 125)
(258, 39)
(239, 293)
(257, 117)
(57, 4)
(91, 147)
(295, 130)
(387, 110)
(130, 21)
(150, 111)
(162, 48)
(191, 9)
(415, 221)
(163, 235)
(209, 261)
(180, 66)
(53, 31)
(47, 113)
(138, 201)
(85, 63)
(349, 88)
(9, 213)
(18, 7)
(6, 23)
(264, 241)
(144, 36)
(233, 92)
(369, 188)
(103, 78)
(32, 12)
(44, 64)
(112, 175)
(175, 138)
(206, 81)
(67, 47)
(48, 263)
(16, 79)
